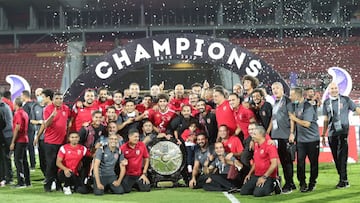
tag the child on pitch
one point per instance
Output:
(189, 137)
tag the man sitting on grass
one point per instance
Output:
(261, 180)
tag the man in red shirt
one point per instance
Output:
(82, 114)
(232, 144)
(136, 172)
(224, 112)
(179, 100)
(68, 160)
(103, 100)
(19, 143)
(262, 178)
(56, 118)
(161, 117)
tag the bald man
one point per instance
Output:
(336, 120)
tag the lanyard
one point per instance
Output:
(332, 110)
(277, 106)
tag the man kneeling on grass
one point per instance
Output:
(104, 164)
(68, 160)
(261, 180)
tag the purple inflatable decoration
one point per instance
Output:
(17, 85)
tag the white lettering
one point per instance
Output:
(182, 44)
(98, 70)
(254, 67)
(239, 60)
(199, 43)
(124, 58)
(141, 53)
(165, 46)
(211, 52)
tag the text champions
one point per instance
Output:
(181, 48)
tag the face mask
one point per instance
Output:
(296, 102)
(39, 99)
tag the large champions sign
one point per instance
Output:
(191, 48)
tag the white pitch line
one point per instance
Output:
(231, 197)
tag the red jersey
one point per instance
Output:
(71, 156)
(104, 105)
(161, 120)
(242, 117)
(187, 133)
(21, 118)
(176, 104)
(262, 155)
(233, 145)
(135, 157)
(141, 108)
(224, 116)
(55, 133)
(83, 115)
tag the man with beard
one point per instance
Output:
(196, 88)
(193, 99)
(55, 116)
(138, 163)
(104, 101)
(105, 161)
(202, 153)
(224, 112)
(307, 138)
(207, 121)
(179, 100)
(283, 131)
(262, 108)
(89, 137)
(310, 97)
(81, 114)
(181, 122)
(118, 101)
(161, 117)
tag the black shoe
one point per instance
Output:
(303, 188)
(234, 190)
(277, 187)
(286, 189)
(293, 186)
(343, 184)
(311, 187)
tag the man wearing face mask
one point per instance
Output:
(36, 119)
(307, 138)
(336, 120)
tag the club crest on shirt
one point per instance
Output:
(126, 152)
(229, 145)
(116, 156)
(263, 113)
(64, 113)
(137, 152)
(78, 151)
(224, 108)
(341, 105)
(208, 120)
(261, 151)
